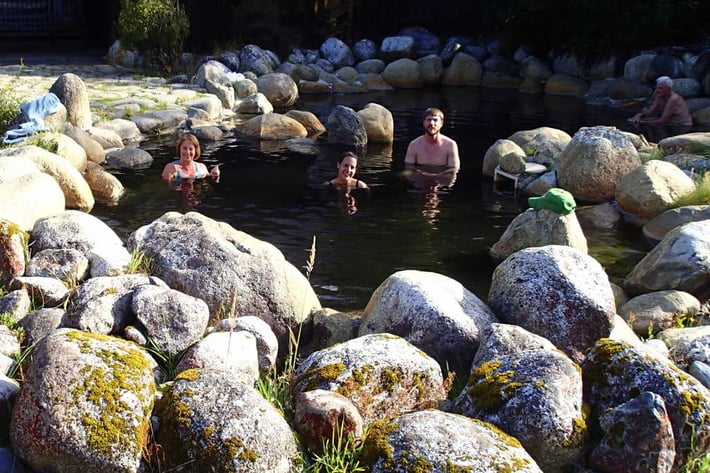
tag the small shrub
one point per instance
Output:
(156, 28)
(9, 109)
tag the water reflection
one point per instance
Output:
(272, 191)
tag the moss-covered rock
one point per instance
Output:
(382, 374)
(535, 396)
(85, 404)
(435, 441)
(211, 423)
(614, 373)
(13, 251)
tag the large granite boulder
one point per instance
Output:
(544, 144)
(651, 188)
(397, 47)
(378, 123)
(637, 437)
(84, 405)
(594, 161)
(103, 304)
(26, 193)
(443, 442)
(272, 126)
(234, 273)
(74, 229)
(172, 320)
(77, 193)
(309, 120)
(94, 151)
(656, 228)
(464, 70)
(567, 85)
(433, 312)
(680, 261)
(547, 387)
(557, 292)
(691, 143)
(73, 94)
(346, 127)
(280, 89)
(214, 71)
(404, 74)
(539, 228)
(215, 423)
(337, 53)
(233, 354)
(432, 68)
(254, 104)
(254, 59)
(496, 151)
(326, 417)
(615, 373)
(382, 374)
(105, 186)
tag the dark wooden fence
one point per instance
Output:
(41, 18)
(219, 22)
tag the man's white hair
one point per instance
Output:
(665, 80)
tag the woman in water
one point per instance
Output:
(345, 182)
(187, 167)
(347, 167)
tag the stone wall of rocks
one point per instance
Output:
(417, 58)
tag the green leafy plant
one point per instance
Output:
(156, 28)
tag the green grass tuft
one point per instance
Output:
(140, 263)
(700, 196)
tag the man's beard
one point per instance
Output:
(431, 131)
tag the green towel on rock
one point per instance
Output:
(558, 200)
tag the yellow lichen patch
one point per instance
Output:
(358, 378)
(224, 451)
(10, 230)
(377, 445)
(188, 375)
(579, 431)
(112, 425)
(490, 388)
(499, 435)
(451, 467)
(418, 464)
(314, 377)
(390, 378)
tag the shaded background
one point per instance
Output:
(589, 28)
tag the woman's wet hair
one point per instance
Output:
(192, 139)
(347, 154)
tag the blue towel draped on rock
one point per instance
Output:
(34, 113)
